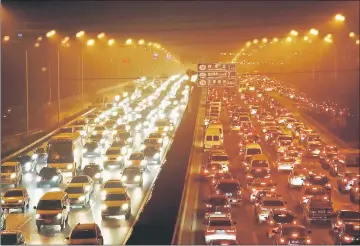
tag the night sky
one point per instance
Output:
(192, 29)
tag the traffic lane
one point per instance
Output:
(114, 230)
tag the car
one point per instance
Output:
(114, 158)
(258, 185)
(318, 178)
(123, 136)
(94, 171)
(41, 154)
(78, 195)
(217, 204)
(347, 180)
(297, 178)
(279, 217)
(2, 219)
(291, 234)
(85, 233)
(83, 180)
(345, 215)
(132, 175)
(15, 198)
(354, 192)
(218, 176)
(318, 209)
(152, 154)
(282, 142)
(348, 234)
(28, 162)
(309, 191)
(327, 153)
(12, 237)
(231, 188)
(138, 159)
(293, 153)
(313, 149)
(209, 170)
(111, 185)
(265, 205)
(152, 142)
(259, 162)
(11, 173)
(115, 202)
(220, 158)
(49, 176)
(219, 227)
(285, 163)
(92, 149)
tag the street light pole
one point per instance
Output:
(58, 78)
(49, 81)
(82, 78)
(27, 90)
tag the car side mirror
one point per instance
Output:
(34, 207)
(64, 207)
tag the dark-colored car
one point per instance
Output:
(49, 176)
(94, 171)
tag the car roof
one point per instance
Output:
(10, 163)
(51, 195)
(15, 189)
(253, 145)
(85, 226)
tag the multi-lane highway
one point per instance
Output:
(248, 231)
(152, 101)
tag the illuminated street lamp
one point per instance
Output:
(314, 32)
(328, 39)
(149, 44)
(351, 34)
(101, 35)
(50, 33)
(275, 40)
(264, 40)
(80, 34)
(6, 38)
(248, 44)
(294, 33)
(339, 17)
(129, 41)
(111, 42)
(65, 40)
(141, 42)
(90, 42)
(357, 41)
(39, 38)
(37, 45)
(288, 39)
(255, 41)
(306, 38)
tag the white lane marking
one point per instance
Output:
(24, 223)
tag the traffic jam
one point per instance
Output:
(257, 152)
(111, 151)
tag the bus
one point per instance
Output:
(65, 152)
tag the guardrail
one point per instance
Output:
(46, 137)
(35, 131)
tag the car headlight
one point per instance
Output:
(119, 158)
(84, 150)
(125, 206)
(103, 207)
(34, 156)
(106, 158)
(123, 178)
(97, 176)
(69, 166)
(58, 216)
(37, 216)
(157, 155)
(81, 198)
(87, 187)
(13, 175)
(143, 162)
(27, 166)
(2, 201)
(55, 178)
(38, 179)
(124, 150)
(82, 132)
(137, 178)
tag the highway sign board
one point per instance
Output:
(216, 75)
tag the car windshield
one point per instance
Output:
(260, 163)
(83, 234)
(9, 239)
(253, 151)
(49, 205)
(217, 223)
(7, 169)
(219, 158)
(75, 190)
(349, 215)
(115, 197)
(113, 185)
(318, 180)
(47, 172)
(314, 191)
(13, 193)
(134, 157)
(289, 231)
(217, 201)
(112, 152)
(273, 203)
(80, 179)
(228, 187)
(283, 218)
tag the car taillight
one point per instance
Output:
(339, 222)
(208, 205)
(210, 231)
(206, 171)
(230, 231)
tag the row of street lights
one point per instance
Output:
(65, 42)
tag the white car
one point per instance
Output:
(285, 163)
(220, 227)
